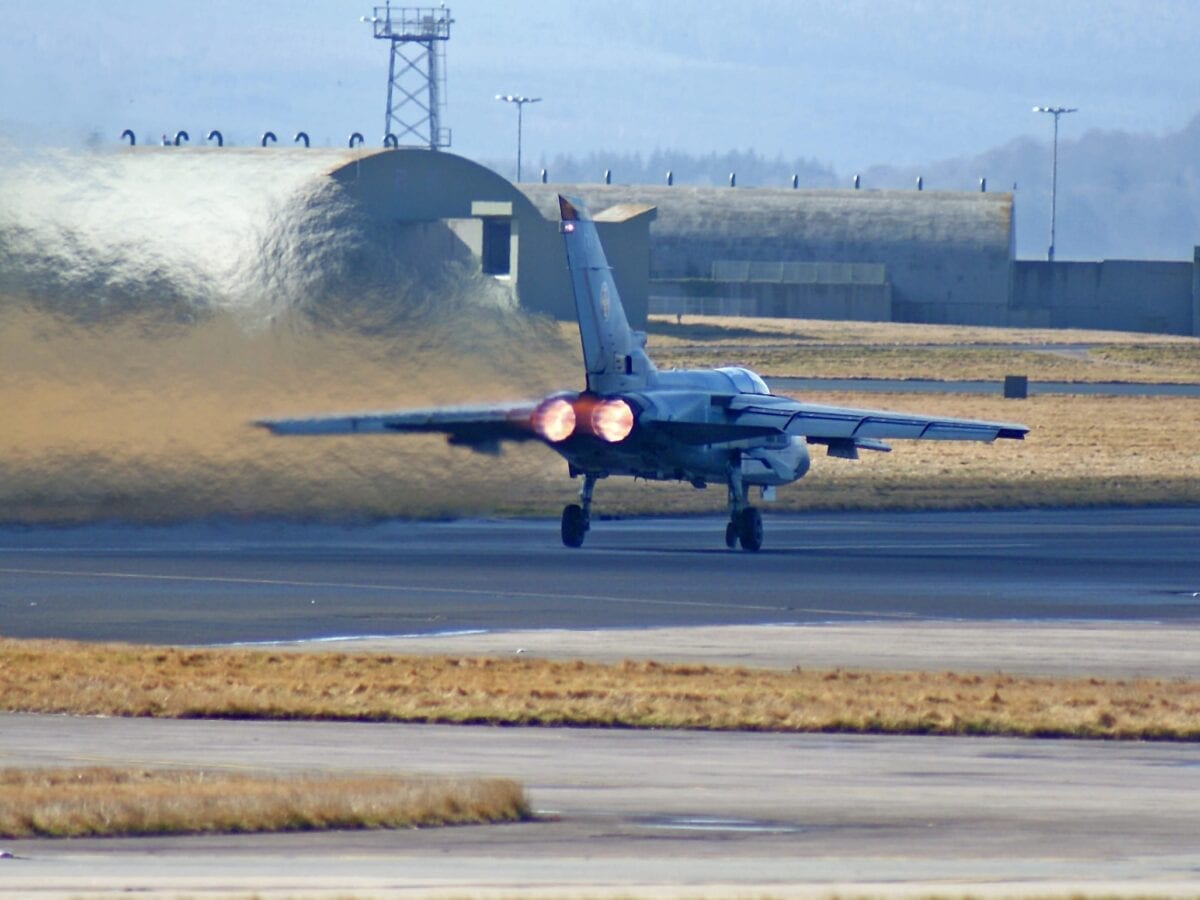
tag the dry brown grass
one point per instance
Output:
(105, 802)
(1081, 451)
(817, 349)
(64, 677)
(832, 331)
(104, 426)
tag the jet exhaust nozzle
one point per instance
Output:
(554, 420)
(612, 420)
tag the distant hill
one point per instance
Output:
(1120, 195)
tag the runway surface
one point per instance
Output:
(663, 813)
(226, 583)
(636, 813)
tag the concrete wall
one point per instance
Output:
(1196, 292)
(1116, 295)
(863, 303)
(798, 290)
(545, 284)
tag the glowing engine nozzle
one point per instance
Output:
(612, 420)
(554, 420)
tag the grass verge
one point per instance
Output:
(106, 802)
(1082, 451)
(126, 680)
(827, 349)
(89, 436)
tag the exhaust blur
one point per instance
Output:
(153, 303)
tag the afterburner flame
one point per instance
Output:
(554, 420)
(612, 420)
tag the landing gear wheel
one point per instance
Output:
(731, 535)
(574, 525)
(750, 529)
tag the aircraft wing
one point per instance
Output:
(480, 427)
(845, 429)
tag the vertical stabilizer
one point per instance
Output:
(613, 355)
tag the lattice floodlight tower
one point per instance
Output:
(416, 72)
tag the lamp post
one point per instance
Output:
(1055, 111)
(520, 102)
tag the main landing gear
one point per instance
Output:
(577, 517)
(745, 522)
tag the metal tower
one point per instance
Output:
(416, 72)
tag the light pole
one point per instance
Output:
(1055, 111)
(520, 102)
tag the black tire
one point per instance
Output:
(731, 535)
(574, 525)
(750, 529)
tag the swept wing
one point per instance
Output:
(744, 417)
(740, 417)
(820, 424)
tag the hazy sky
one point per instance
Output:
(847, 82)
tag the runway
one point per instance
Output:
(229, 583)
(650, 813)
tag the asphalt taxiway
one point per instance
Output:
(664, 813)
(655, 813)
(228, 583)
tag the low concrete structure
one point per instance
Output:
(457, 209)
(1118, 295)
(783, 289)
(173, 233)
(905, 255)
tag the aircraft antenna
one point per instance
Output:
(416, 94)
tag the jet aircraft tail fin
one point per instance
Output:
(614, 356)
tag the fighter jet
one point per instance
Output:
(706, 426)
